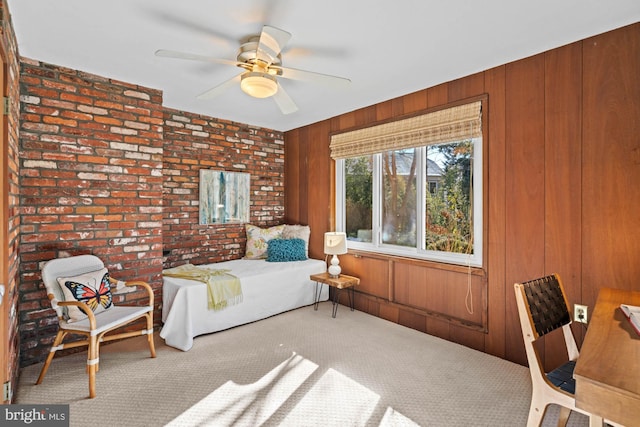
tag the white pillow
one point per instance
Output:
(91, 288)
(298, 232)
(258, 238)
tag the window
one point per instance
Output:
(358, 196)
(433, 187)
(421, 198)
(399, 188)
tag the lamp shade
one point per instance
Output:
(258, 85)
(335, 243)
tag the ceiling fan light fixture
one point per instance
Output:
(258, 85)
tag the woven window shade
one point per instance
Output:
(452, 124)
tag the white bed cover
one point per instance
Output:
(268, 288)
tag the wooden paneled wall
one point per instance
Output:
(561, 193)
(9, 336)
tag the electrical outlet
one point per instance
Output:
(580, 313)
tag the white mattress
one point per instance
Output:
(268, 288)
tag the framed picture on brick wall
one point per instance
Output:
(224, 197)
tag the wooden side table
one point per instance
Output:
(339, 283)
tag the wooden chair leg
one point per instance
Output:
(536, 411)
(97, 352)
(56, 342)
(596, 421)
(564, 416)
(92, 364)
(92, 381)
(152, 347)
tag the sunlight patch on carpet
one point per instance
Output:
(393, 418)
(335, 400)
(252, 404)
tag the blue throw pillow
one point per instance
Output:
(284, 250)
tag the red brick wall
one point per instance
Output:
(105, 169)
(194, 142)
(91, 182)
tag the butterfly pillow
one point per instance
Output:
(92, 289)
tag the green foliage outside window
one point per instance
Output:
(359, 195)
(449, 225)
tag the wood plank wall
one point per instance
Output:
(561, 194)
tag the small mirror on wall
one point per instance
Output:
(224, 197)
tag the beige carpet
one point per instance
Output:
(300, 368)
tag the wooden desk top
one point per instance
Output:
(607, 372)
(341, 282)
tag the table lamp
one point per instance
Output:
(335, 243)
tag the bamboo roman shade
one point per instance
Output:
(451, 124)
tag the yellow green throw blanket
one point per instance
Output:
(223, 289)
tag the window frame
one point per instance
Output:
(419, 252)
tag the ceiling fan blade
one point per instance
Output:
(217, 90)
(194, 57)
(284, 101)
(295, 74)
(184, 23)
(272, 41)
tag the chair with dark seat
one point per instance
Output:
(543, 308)
(79, 289)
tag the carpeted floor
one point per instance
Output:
(300, 368)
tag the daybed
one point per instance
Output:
(268, 288)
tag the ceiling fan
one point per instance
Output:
(261, 60)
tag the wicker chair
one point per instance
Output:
(79, 289)
(543, 307)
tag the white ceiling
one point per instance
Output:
(386, 48)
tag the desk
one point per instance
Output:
(341, 282)
(607, 373)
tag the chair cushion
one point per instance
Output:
(91, 288)
(285, 250)
(108, 319)
(562, 377)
